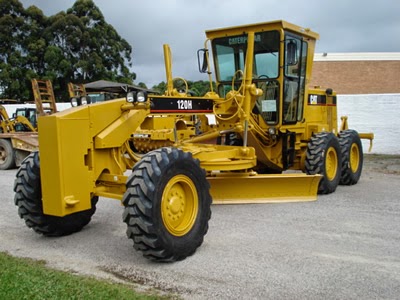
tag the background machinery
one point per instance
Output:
(273, 135)
(18, 135)
(20, 121)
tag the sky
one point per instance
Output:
(343, 26)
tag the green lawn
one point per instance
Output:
(22, 278)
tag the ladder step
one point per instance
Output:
(43, 92)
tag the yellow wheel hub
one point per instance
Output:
(354, 158)
(179, 205)
(331, 161)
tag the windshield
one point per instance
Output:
(101, 96)
(96, 97)
(230, 54)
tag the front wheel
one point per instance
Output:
(28, 198)
(324, 157)
(167, 205)
(352, 157)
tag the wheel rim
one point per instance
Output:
(3, 155)
(179, 205)
(331, 161)
(354, 158)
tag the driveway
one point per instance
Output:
(344, 246)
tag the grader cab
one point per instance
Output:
(274, 140)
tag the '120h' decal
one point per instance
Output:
(185, 104)
(171, 104)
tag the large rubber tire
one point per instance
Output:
(352, 157)
(7, 155)
(167, 205)
(28, 198)
(324, 157)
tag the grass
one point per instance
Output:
(22, 278)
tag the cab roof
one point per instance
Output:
(257, 27)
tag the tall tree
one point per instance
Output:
(104, 54)
(33, 42)
(73, 46)
(11, 63)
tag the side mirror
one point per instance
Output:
(291, 53)
(202, 60)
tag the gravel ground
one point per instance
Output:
(344, 246)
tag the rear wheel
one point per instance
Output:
(352, 157)
(167, 205)
(324, 157)
(28, 198)
(7, 155)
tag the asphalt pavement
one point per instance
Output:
(344, 246)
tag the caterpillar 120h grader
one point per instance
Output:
(267, 122)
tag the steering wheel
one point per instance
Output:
(184, 81)
(238, 72)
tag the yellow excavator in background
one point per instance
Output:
(15, 124)
(273, 139)
(18, 135)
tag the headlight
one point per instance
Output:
(74, 102)
(272, 131)
(141, 96)
(84, 101)
(130, 97)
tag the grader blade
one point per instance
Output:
(240, 189)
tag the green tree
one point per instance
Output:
(197, 88)
(73, 46)
(104, 54)
(161, 87)
(142, 85)
(33, 43)
(11, 62)
(89, 48)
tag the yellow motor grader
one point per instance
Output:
(274, 139)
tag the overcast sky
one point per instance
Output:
(343, 25)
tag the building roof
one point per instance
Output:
(356, 56)
(113, 87)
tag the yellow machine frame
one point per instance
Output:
(77, 167)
